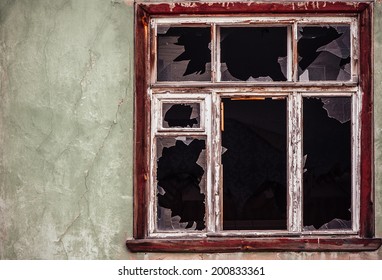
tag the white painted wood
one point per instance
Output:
(356, 160)
(215, 39)
(216, 164)
(295, 52)
(273, 20)
(354, 50)
(295, 159)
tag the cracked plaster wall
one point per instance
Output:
(66, 118)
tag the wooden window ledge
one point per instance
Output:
(216, 245)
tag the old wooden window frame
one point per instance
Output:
(360, 88)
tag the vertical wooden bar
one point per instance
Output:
(214, 66)
(366, 86)
(294, 53)
(294, 162)
(141, 118)
(217, 167)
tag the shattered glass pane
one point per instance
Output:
(327, 169)
(184, 54)
(181, 115)
(254, 164)
(253, 53)
(181, 183)
(324, 53)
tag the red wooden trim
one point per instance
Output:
(252, 7)
(366, 84)
(140, 123)
(142, 109)
(215, 245)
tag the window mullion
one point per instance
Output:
(294, 55)
(215, 70)
(295, 162)
(356, 155)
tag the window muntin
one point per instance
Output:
(216, 91)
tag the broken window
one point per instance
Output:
(253, 53)
(183, 53)
(181, 115)
(253, 126)
(254, 163)
(181, 183)
(327, 158)
(246, 136)
(324, 53)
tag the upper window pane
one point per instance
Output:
(183, 54)
(324, 53)
(253, 54)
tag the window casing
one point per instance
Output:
(156, 94)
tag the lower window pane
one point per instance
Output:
(181, 183)
(254, 164)
(327, 158)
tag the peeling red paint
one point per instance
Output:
(252, 7)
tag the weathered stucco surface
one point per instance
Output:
(66, 118)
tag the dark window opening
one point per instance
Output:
(181, 115)
(327, 170)
(254, 53)
(324, 53)
(184, 54)
(254, 164)
(181, 184)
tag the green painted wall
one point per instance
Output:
(66, 119)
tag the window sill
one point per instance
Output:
(215, 245)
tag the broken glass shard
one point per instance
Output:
(183, 54)
(181, 183)
(254, 164)
(324, 53)
(338, 108)
(327, 176)
(253, 53)
(181, 115)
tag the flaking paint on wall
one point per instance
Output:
(66, 120)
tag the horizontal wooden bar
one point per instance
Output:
(227, 7)
(216, 245)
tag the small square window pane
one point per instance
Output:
(181, 115)
(181, 183)
(253, 53)
(327, 163)
(324, 53)
(183, 54)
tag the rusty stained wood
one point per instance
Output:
(141, 123)
(227, 7)
(366, 90)
(216, 245)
